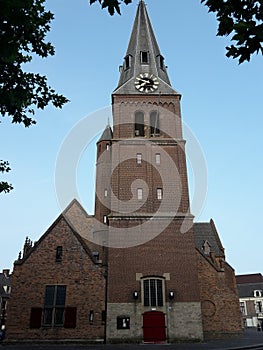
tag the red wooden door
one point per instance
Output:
(154, 327)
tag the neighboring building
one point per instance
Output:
(5, 289)
(250, 290)
(140, 261)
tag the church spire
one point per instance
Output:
(143, 56)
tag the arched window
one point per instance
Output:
(155, 124)
(139, 124)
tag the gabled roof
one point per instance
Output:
(206, 231)
(143, 40)
(65, 215)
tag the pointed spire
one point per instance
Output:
(143, 56)
(107, 134)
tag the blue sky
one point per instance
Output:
(221, 104)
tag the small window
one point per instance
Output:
(144, 57)
(257, 293)
(206, 248)
(155, 123)
(123, 322)
(105, 219)
(91, 317)
(243, 308)
(139, 124)
(161, 60)
(105, 192)
(258, 307)
(139, 194)
(159, 193)
(139, 158)
(59, 254)
(107, 147)
(127, 62)
(158, 158)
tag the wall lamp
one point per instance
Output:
(135, 295)
(171, 295)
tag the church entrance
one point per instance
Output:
(154, 330)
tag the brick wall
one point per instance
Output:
(219, 300)
(84, 282)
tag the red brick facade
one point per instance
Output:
(84, 281)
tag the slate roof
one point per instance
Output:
(143, 40)
(247, 284)
(106, 135)
(206, 231)
(247, 290)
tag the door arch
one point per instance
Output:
(154, 330)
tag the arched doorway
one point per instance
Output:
(154, 330)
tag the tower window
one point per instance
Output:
(153, 292)
(139, 124)
(144, 57)
(127, 62)
(159, 193)
(105, 192)
(139, 194)
(105, 219)
(155, 124)
(139, 158)
(161, 60)
(158, 158)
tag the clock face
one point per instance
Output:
(146, 82)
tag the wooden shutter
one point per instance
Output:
(35, 317)
(70, 317)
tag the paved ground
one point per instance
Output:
(251, 340)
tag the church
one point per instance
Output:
(140, 269)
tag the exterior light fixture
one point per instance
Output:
(135, 295)
(171, 295)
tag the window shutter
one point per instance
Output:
(70, 317)
(35, 317)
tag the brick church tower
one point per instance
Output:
(142, 203)
(139, 269)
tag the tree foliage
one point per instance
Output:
(23, 28)
(243, 19)
(4, 168)
(111, 5)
